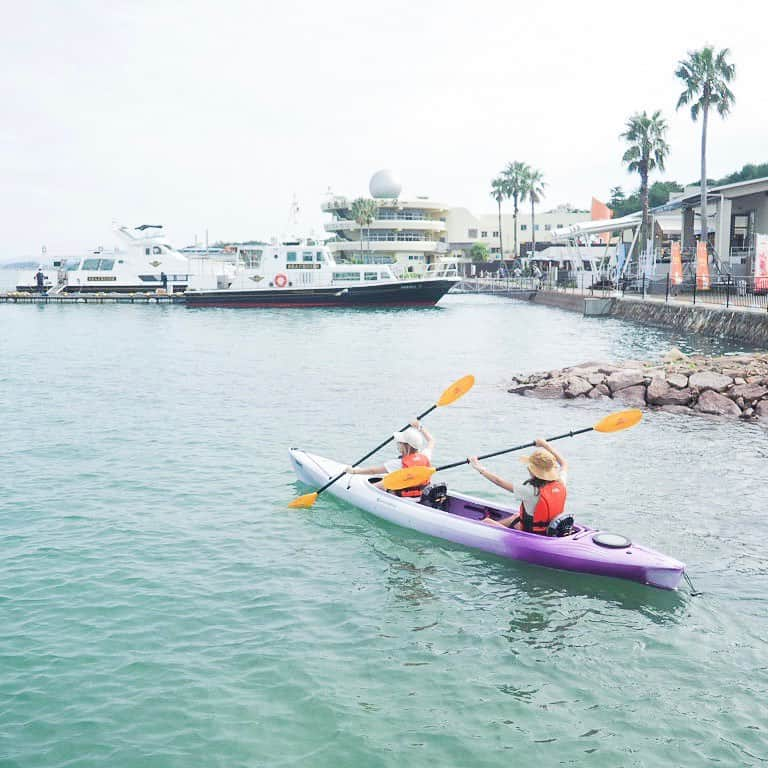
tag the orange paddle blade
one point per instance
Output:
(408, 477)
(456, 390)
(619, 420)
(303, 502)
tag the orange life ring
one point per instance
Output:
(281, 280)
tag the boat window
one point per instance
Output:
(306, 255)
(346, 276)
(371, 276)
(319, 256)
(385, 275)
(149, 278)
(290, 256)
(106, 264)
(71, 267)
(91, 263)
(147, 251)
(156, 249)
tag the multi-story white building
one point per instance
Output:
(465, 229)
(417, 231)
(410, 232)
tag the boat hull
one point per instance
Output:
(406, 293)
(462, 524)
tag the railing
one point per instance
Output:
(726, 291)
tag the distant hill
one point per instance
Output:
(22, 265)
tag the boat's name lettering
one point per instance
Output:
(101, 279)
(303, 266)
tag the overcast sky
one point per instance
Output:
(213, 115)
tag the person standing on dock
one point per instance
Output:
(40, 280)
(164, 280)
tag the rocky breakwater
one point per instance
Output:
(731, 385)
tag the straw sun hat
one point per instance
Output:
(542, 464)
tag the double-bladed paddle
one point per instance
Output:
(410, 477)
(453, 393)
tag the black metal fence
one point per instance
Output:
(726, 291)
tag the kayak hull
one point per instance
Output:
(462, 524)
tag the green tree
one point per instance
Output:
(478, 252)
(515, 176)
(498, 193)
(616, 200)
(647, 151)
(533, 191)
(363, 212)
(705, 75)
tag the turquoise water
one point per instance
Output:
(160, 605)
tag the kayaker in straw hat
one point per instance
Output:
(414, 445)
(542, 495)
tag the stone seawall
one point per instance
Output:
(732, 385)
(748, 327)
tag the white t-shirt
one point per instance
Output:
(394, 464)
(529, 494)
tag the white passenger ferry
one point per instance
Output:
(304, 273)
(144, 262)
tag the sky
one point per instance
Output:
(206, 116)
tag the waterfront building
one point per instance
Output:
(415, 231)
(466, 229)
(409, 231)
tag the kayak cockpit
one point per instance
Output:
(437, 497)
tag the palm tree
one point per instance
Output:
(498, 193)
(533, 191)
(706, 75)
(647, 151)
(515, 175)
(363, 212)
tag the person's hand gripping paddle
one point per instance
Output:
(451, 395)
(415, 476)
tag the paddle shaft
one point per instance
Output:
(377, 448)
(516, 448)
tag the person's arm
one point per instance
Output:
(366, 470)
(416, 424)
(561, 460)
(495, 479)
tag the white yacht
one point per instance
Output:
(304, 273)
(143, 262)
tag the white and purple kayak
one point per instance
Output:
(460, 520)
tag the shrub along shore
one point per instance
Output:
(731, 385)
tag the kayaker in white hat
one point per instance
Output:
(414, 446)
(542, 496)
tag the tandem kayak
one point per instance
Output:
(460, 520)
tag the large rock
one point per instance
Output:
(596, 378)
(600, 392)
(706, 380)
(674, 355)
(629, 377)
(552, 390)
(660, 393)
(747, 391)
(677, 409)
(633, 395)
(678, 380)
(761, 410)
(577, 386)
(717, 404)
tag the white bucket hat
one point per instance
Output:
(410, 436)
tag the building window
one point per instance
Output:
(290, 256)
(483, 234)
(559, 226)
(536, 228)
(547, 227)
(523, 227)
(472, 234)
(496, 234)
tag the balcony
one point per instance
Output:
(427, 225)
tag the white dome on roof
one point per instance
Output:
(385, 183)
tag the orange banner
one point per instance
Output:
(676, 266)
(702, 267)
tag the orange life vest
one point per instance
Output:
(550, 504)
(414, 460)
